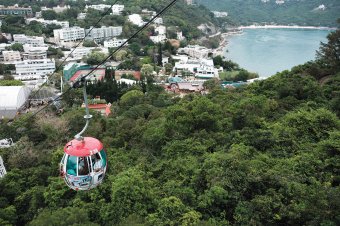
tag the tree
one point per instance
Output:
(95, 58)
(160, 55)
(89, 43)
(17, 47)
(171, 211)
(63, 217)
(168, 68)
(329, 53)
(147, 70)
(131, 98)
(49, 15)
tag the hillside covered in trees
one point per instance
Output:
(265, 154)
(181, 16)
(247, 12)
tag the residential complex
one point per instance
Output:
(31, 40)
(103, 33)
(34, 69)
(16, 10)
(68, 34)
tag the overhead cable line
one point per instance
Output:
(110, 55)
(82, 40)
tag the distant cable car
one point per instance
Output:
(84, 163)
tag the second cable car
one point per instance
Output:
(84, 163)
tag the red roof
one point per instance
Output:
(89, 146)
(97, 106)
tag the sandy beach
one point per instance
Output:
(285, 27)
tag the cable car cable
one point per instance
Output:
(107, 58)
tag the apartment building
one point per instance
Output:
(16, 10)
(103, 33)
(68, 34)
(31, 40)
(11, 56)
(34, 53)
(195, 51)
(34, 69)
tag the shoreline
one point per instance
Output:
(286, 27)
(224, 43)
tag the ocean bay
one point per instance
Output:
(267, 51)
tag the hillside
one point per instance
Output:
(247, 12)
(264, 154)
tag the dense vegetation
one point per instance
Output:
(247, 12)
(180, 16)
(266, 154)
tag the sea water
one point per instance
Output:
(267, 51)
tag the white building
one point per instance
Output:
(195, 51)
(158, 20)
(103, 33)
(201, 68)
(189, 2)
(158, 38)
(68, 34)
(321, 7)
(60, 9)
(11, 56)
(136, 19)
(63, 24)
(12, 98)
(34, 69)
(116, 9)
(114, 43)
(31, 40)
(81, 52)
(220, 14)
(34, 53)
(279, 2)
(160, 34)
(100, 7)
(180, 35)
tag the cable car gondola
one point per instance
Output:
(84, 163)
